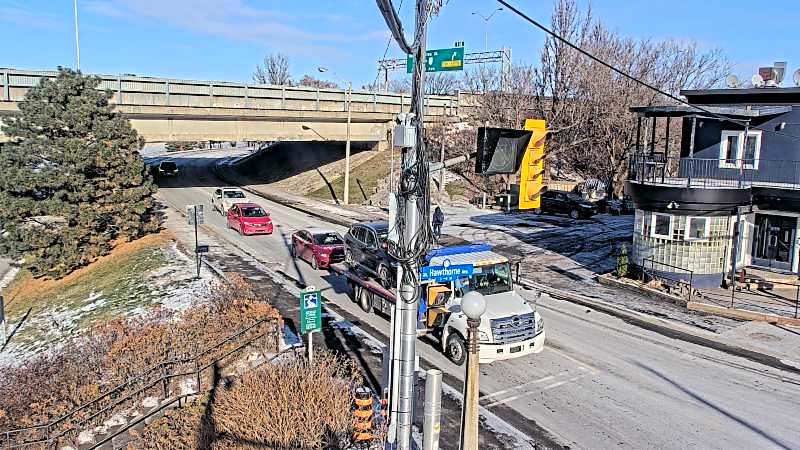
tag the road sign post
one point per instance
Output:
(310, 315)
(194, 216)
(440, 60)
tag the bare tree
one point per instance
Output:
(440, 83)
(274, 71)
(310, 81)
(587, 105)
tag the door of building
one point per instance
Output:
(773, 244)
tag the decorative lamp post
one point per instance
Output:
(473, 305)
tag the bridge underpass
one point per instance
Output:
(164, 110)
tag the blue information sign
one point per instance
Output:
(445, 272)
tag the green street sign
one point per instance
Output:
(310, 311)
(441, 60)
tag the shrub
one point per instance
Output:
(286, 405)
(51, 384)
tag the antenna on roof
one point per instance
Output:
(732, 81)
(757, 80)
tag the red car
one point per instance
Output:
(318, 246)
(249, 218)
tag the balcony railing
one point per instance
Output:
(714, 173)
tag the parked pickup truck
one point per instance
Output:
(224, 198)
(510, 327)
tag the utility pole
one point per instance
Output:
(347, 146)
(77, 38)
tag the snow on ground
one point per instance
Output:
(171, 286)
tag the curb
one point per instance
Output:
(668, 328)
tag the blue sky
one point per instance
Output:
(225, 39)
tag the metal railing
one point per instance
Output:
(149, 91)
(646, 274)
(714, 173)
(159, 375)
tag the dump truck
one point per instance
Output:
(510, 328)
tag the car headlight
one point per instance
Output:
(483, 337)
(539, 324)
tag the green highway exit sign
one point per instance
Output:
(441, 60)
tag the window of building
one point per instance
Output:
(697, 228)
(662, 226)
(736, 151)
(646, 224)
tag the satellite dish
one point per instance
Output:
(797, 77)
(757, 80)
(732, 81)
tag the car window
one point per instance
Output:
(234, 194)
(253, 211)
(168, 165)
(370, 239)
(549, 194)
(358, 233)
(328, 239)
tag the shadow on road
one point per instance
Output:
(772, 439)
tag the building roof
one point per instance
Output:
(746, 96)
(729, 111)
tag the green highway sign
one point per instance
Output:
(310, 311)
(441, 60)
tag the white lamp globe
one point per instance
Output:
(473, 304)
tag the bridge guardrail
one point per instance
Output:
(149, 91)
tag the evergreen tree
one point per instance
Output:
(72, 182)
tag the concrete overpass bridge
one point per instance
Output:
(164, 110)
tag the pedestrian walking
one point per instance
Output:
(438, 220)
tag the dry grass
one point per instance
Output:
(285, 405)
(368, 174)
(55, 382)
(26, 291)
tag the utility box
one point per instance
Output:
(405, 136)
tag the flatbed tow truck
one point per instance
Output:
(510, 328)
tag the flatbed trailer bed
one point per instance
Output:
(368, 293)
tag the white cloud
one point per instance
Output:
(17, 15)
(232, 19)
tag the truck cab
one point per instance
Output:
(509, 328)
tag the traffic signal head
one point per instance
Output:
(500, 150)
(531, 178)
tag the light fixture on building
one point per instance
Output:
(672, 205)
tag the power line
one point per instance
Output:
(388, 44)
(637, 80)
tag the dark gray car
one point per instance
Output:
(566, 203)
(366, 249)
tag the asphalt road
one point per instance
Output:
(600, 383)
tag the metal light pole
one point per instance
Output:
(486, 28)
(348, 101)
(473, 305)
(77, 38)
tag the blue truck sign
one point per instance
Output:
(445, 272)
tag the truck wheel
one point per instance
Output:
(365, 300)
(574, 214)
(456, 349)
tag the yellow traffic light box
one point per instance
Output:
(531, 177)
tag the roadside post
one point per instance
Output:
(310, 315)
(194, 216)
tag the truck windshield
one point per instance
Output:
(487, 280)
(234, 194)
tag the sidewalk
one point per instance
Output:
(339, 334)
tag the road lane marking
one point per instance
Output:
(525, 394)
(540, 380)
